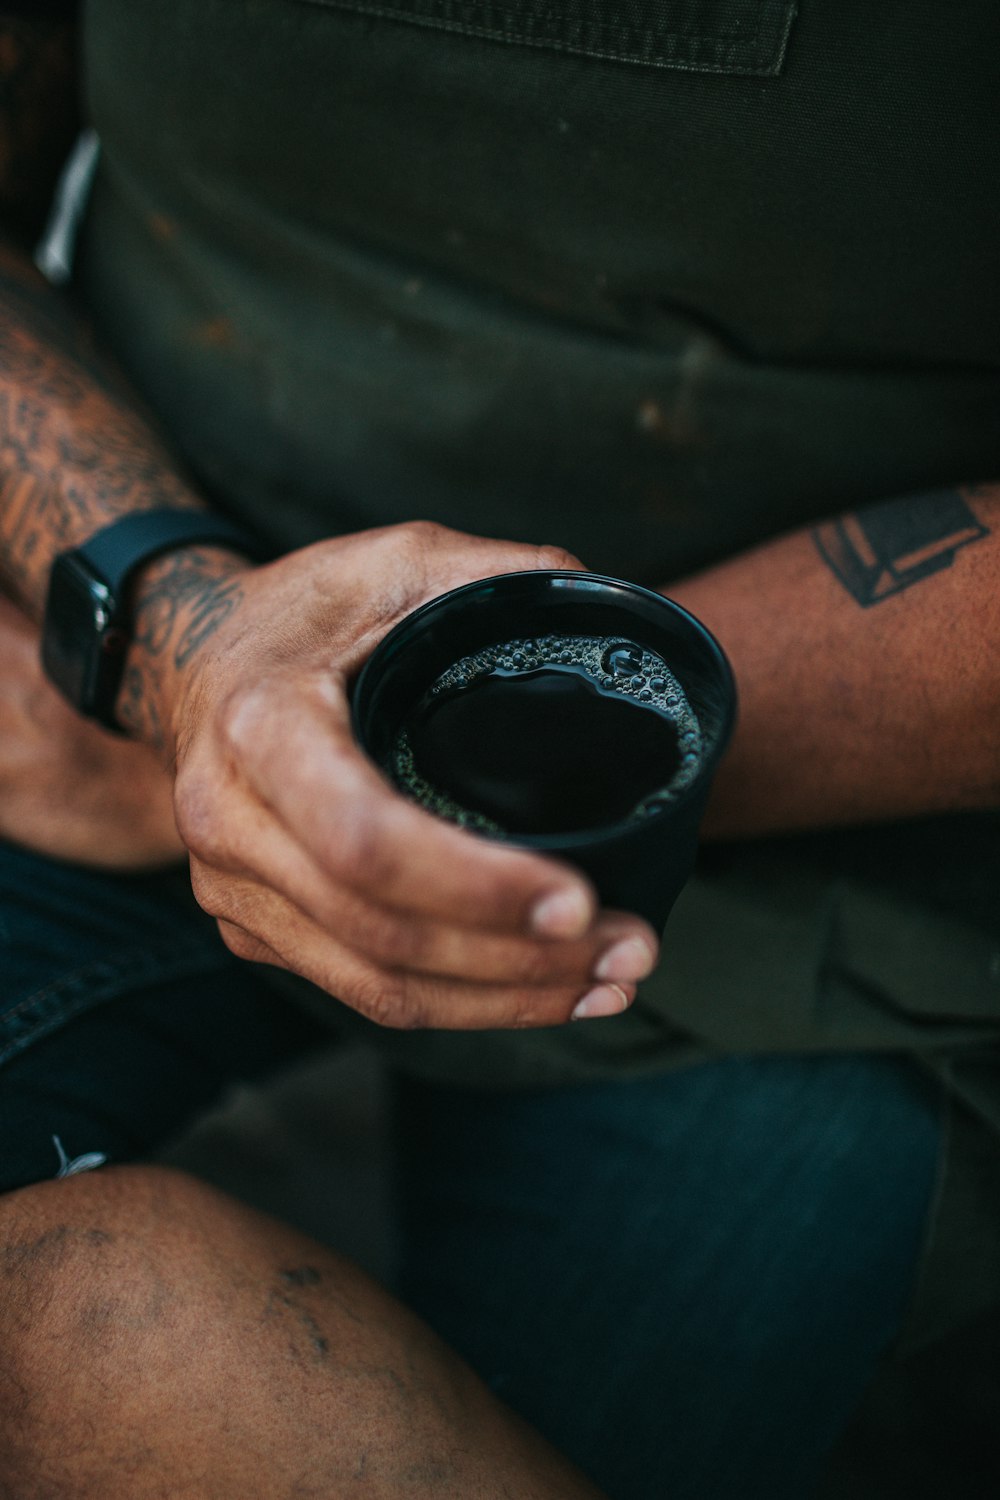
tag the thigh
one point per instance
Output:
(683, 1281)
(122, 1014)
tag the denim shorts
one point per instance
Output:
(122, 1015)
(685, 1281)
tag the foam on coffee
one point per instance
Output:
(549, 734)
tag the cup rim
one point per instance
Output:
(578, 838)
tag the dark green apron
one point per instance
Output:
(655, 282)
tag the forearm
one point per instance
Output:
(74, 451)
(869, 689)
(77, 452)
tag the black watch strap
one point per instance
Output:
(87, 629)
(117, 550)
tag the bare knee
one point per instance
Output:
(155, 1334)
(77, 1252)
(66, 1247)
(100, 1283)
(152, 1327)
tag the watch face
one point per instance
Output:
(80, 638)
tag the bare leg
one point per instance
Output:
(159, 1339)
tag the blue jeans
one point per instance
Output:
(683, 1281)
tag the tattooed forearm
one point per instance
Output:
(76, 450)
(76, 453)
(887, 548)
(183, 602)
(180, 603)
(38, 111)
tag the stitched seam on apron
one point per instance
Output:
(760, 50)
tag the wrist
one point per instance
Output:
(90, 612)
(178, 603)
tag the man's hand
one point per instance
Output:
(69, 789)
(300, 848)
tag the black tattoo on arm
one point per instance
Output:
(183, 604)
(76, 449)
(182, 601)
(887, 548)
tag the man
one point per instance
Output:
(550, 280)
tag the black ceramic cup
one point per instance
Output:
(637, 863)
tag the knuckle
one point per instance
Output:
(389, 939)
(524, 1012)
(545, 965)
(238, 941)
(360, 858)
(420, 533)
(196, 812)
(207, 889)
(556, 557)
(243, 718)
(238, 910)
(400, 1002)
(381, 997)
(418, 541)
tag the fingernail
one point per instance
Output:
(631, 958)
(564, 913)
(605, 1000)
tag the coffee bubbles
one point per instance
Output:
(548, 735)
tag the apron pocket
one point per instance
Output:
(697, 36)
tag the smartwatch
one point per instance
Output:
(87, 629)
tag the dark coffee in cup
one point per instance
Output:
(565, 712)
(549, 734)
